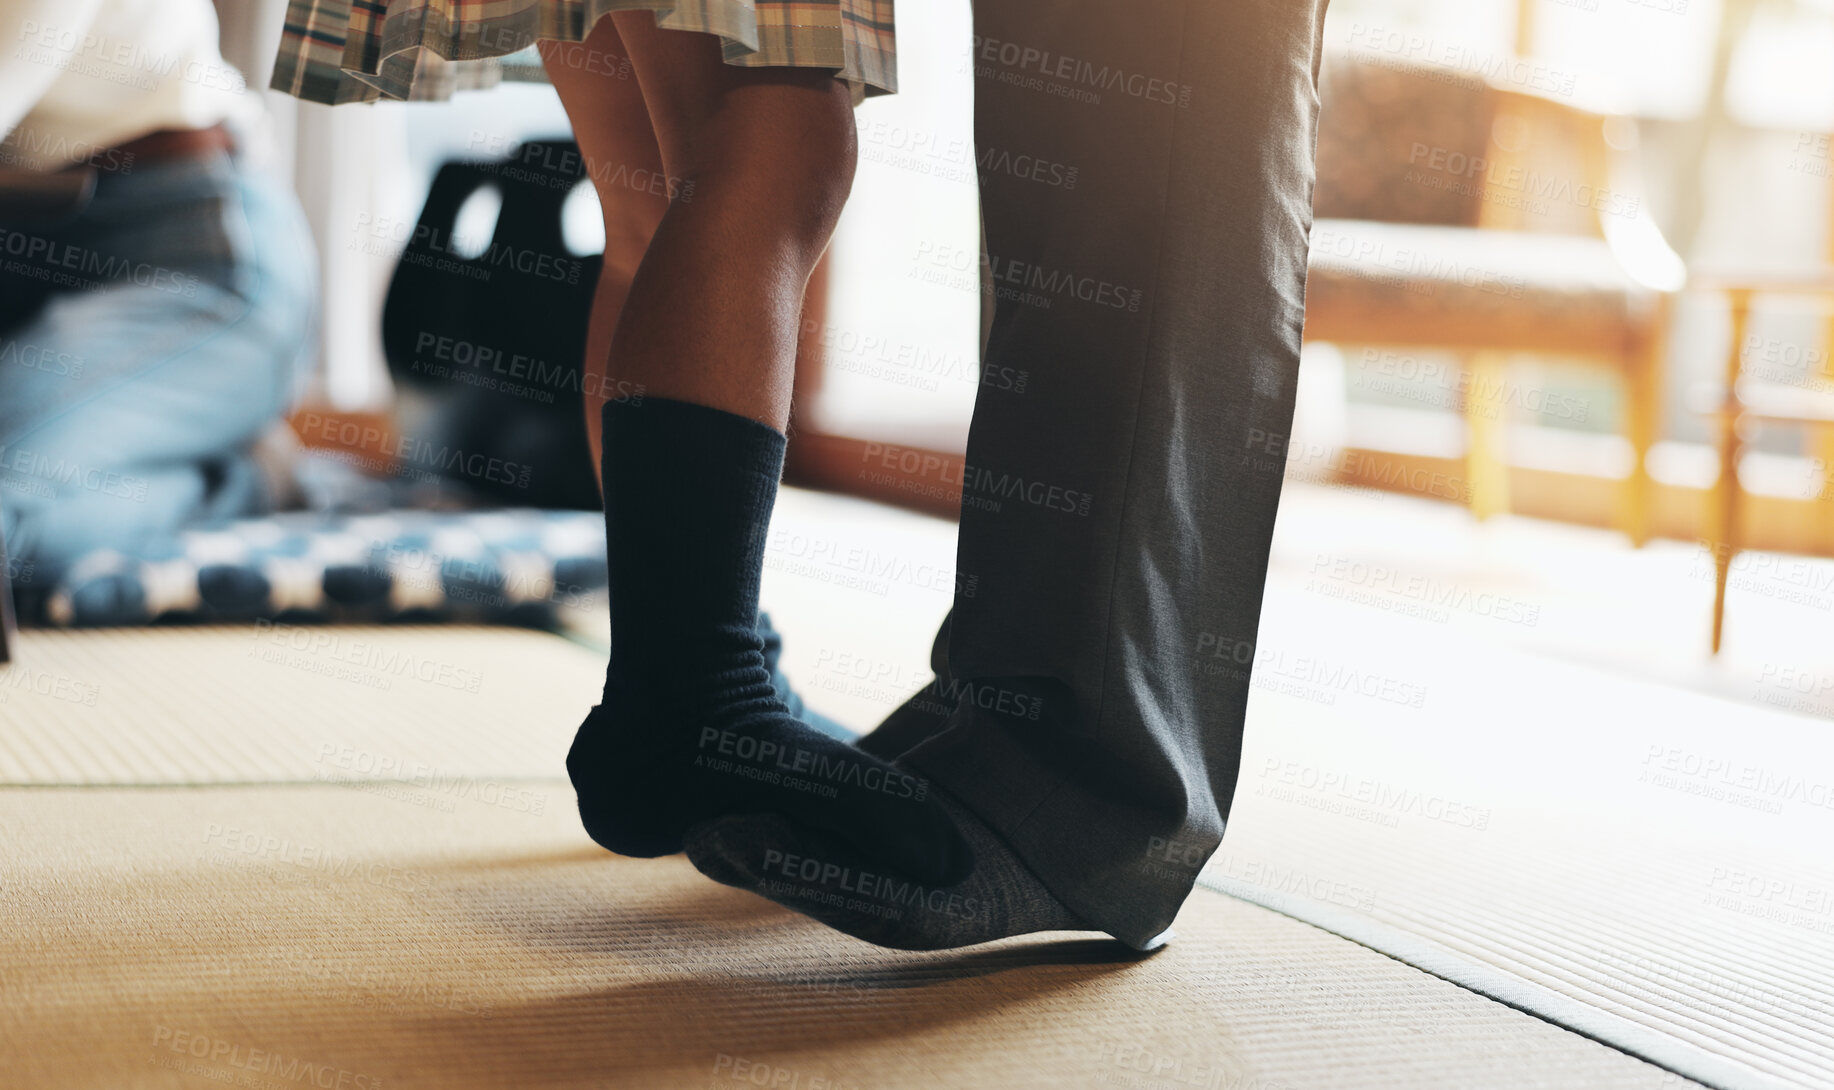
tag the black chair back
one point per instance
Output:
(494, 341)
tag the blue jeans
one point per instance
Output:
(144, 346)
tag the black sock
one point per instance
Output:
(690, 727)
(869, 898)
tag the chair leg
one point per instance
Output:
(1486, 468)
(1642, 419)
(1725, 547)
(1724, 516)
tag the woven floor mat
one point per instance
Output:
(319, 935)
(432, 707)
(1640, 863)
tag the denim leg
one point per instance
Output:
(172, 334)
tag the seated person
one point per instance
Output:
(153, 320)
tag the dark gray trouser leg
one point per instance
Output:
(1118, 509)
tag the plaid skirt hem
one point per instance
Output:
(341, 51)
(868, 70)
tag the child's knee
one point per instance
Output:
(798, 174)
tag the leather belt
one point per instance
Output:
(177, 144)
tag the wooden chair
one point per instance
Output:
(1460, 215)
(1744, 403)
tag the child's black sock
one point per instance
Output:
(690, 727)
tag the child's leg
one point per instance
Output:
(611, 123)
(690, 727)
(618, 141)
(713, 313)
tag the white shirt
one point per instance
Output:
(80, 76)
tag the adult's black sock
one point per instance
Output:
(690, 727)
(870, 898)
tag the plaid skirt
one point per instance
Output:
(336, 51)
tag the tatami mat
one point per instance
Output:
(428, 706)
(1640, 863)
(296, 936)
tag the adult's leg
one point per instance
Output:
(128, 405)
(690, 726)
(1117, 514)
(1158, 306)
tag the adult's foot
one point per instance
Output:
(871, 898)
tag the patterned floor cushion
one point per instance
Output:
(514, 566)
